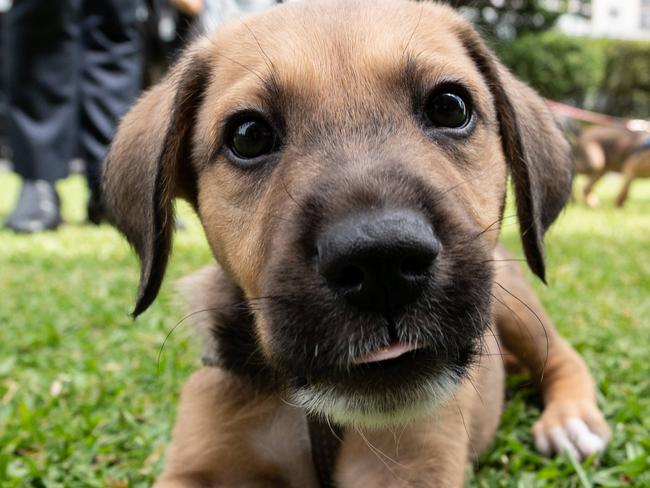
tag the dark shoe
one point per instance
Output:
(37, 210)
(96, 209)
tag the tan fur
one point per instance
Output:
(527, 331)
(210, 432)
(221, 422)
(340, 64)
(604, 149)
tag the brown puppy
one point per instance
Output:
(603, 149)
(348, 161)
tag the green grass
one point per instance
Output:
(85, 402)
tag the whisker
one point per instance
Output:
(410, 39)
(241, 65)
(287, 402)
(464, 182)
(332, 429)
(462, 419)
(520, 322)
(171, 331)
(511, 260)
(284, 185)
(490, 227)
(267, 60)
(497, 339)
(246, 304)
(380, 454)
(538, 320)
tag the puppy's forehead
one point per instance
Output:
(319, 50)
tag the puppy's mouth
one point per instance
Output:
(394, 350)
(383, 387)
(389, 369)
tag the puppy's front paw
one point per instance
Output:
(577, 428)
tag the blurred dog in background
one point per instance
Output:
(600, 150)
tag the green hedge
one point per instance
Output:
(607, 75)
(627, 79)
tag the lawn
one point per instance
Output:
(88, 396)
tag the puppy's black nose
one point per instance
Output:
(380, 260)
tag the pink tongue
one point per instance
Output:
(393, 351)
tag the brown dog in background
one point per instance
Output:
(603, 149)
(348, 161)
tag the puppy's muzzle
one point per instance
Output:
(380, 260)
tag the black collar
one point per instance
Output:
(325, 441)
(233, 346)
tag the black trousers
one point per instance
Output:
(72, 69)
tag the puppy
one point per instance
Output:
(603, 149)
(348, 161)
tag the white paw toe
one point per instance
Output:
(583, 439)
(542, 444)
(573, 438)
(561, 441)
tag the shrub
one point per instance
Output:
(560, 67)
(608, 75)
(625, 89)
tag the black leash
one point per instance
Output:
(325, 441)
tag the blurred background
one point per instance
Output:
(581, 54)
(589, 53)
(88, 397)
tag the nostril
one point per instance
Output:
(415, 266)
(348, 277)
(374, 258)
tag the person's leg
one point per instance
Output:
(41, 49)
(110, 83)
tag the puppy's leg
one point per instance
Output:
(227, 436)
(571, 420)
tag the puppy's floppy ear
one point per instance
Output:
(538, 155)
(149, 164)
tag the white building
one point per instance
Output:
(619, 19)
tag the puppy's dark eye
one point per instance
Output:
(446, 109)
(251, 138)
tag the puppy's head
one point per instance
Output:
(348, 161)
